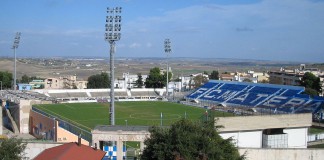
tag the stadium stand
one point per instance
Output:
(276, 98)
(59, 95)
(77, 94)
(144, 93)
(121, 94)
(100, 94)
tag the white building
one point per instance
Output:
(267, 131)
(250, 76)
(128, 81)
(65, 82)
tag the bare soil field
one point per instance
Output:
(83, 68)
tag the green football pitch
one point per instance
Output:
(148, 113)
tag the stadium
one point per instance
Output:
(66, 115)
(264, 97)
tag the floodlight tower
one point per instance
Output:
(14, 47)
(167, 50)
(113, 27)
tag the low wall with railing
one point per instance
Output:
(315, 137)
(64, 124)
(282, 154)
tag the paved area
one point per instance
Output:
(321, 141)
(318, 124)
(10, 134)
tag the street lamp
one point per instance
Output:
(126, 122)
(54, 132)
(14, 47)
(113, 27)
(167, 50)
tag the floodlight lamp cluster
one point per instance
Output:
(16, 41)
(113, 24)
(167, 46)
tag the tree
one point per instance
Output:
(25, 79)
(165, 76)
(12, 149)
(199, 80)
(139, 81)
(309, 80)
(264, 81)
(247, 80)
(6, 79)
(311, 92)
(186, 139)
(154, 79)
(41, 86)
(74, 86)
(214, 75)
(99, 81)
(274, 80)
(177, 80)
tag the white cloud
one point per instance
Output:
(273, 25)
(135, 45)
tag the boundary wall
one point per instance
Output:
(282, 154)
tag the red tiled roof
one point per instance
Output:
(70, 151)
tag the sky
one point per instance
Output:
(281, 30)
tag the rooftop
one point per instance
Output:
(70, 151)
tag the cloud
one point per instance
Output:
(135, 45)
(213, 7)
(274, 26)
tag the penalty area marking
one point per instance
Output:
(143, 116)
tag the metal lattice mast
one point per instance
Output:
(167, 50)
(113, 27)
(14, 47)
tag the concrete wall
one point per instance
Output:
(251, 139)
(297, 137)
(40, 124)
(66, 136)
(282, 154)
(34, 148)
(1, 131)
(24, 110)
(315, 137)
(264, 122)
(249, 133)
(119, 137)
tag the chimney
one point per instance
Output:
(79, 140)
